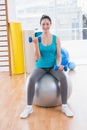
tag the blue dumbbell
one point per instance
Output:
(30, 40)
(56, 67)
(65, 68)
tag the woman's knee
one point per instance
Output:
(29, 81)
(63, 80)
(62, 76)
(32, 78)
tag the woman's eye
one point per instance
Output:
(47, 24)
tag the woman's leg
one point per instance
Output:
(60, 76)
(30, 84)
(35, 76)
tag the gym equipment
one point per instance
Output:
(30, 40)
(17, 53)
(64, 56)
(56, 67)
(65, 60)
(37, 34)
(47, 91)
(71, 65)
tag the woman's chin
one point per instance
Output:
(45, 31)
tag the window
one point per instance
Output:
(67, 16)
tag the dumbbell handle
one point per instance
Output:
(56, 67)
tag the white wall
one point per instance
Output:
(11, 10)
(77, 50)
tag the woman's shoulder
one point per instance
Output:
(56, 37)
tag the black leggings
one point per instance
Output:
(36, 74)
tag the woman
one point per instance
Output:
(47, 52)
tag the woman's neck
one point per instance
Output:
(46, 33)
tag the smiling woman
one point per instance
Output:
(64, 19)
(47, 54)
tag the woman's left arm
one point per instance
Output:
(59, 54)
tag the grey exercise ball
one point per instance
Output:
(47, 91)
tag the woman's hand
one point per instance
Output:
(61, 68)
(35, 40)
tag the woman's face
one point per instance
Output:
(45, 25)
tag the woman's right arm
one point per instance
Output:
(36, 49)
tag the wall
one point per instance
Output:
(77, 50)
(11, 10)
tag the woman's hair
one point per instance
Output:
(45, 17)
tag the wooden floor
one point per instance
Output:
(13, 101)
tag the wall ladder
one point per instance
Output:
(5, 57)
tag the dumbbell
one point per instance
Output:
(30, 39)
(56, 67)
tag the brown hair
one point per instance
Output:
(45, 17)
